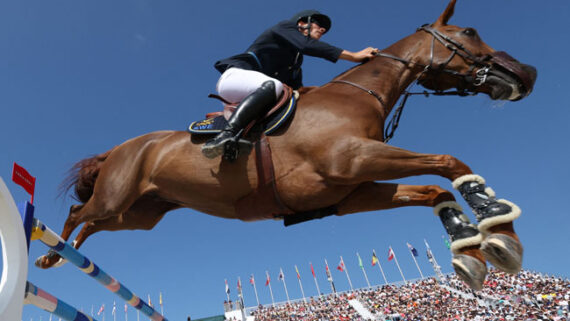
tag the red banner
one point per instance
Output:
(21, 177)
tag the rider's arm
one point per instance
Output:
(358, 56)
(289, 32)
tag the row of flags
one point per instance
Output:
(375, 261)
(114, 310)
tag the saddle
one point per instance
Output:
(271, 121)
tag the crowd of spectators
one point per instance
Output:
(525, 296)
(331, 307)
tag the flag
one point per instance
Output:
(227, 286)
(374, 258)
(21, 177)
(429, 255)
(160, 298)
(313, 271)
(298, 275)
(252, 280)
(101, 309)
(360, 262)
(446, 242)
(114, 308)
(412, 249)
(149, 303)
(281, 275)
(340, 266)
(239, 285)
(329, 276)
(268, 279)
(390, 254)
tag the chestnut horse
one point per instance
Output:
(334, 167)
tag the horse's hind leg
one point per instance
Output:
(501, 246)
(468, 261)
(52, 259)
(143, 215)
(102, 205)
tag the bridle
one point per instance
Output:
(468, 79)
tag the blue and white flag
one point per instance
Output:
(412, 249)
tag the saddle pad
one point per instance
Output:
(215, 125)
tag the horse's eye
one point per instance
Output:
(470, 32)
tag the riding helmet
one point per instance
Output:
(313, 16)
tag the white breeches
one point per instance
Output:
(235, 84)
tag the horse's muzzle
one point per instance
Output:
(509, 79)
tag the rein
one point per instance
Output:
(456, 48)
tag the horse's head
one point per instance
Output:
(456, 57)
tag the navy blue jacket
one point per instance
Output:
(278, 53)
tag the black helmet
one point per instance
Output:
(313, 16)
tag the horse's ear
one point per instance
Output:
(442, 20)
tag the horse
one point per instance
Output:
(337, 168)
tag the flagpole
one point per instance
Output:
(362, 267)
(380, 267)
(329, 276)
(398, 265)
(227, 290)
(315, 278)
(240, 291)
(433, 261)
(126, 314)
(270, 290)
(160, 302)
(347, 276)
(252, 281)
(300, 285)
(410, 247)
(282, 277)
(241, 302)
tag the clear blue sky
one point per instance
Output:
(79, 77)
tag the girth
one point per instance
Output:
(264, 201)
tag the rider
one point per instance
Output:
(255, 78)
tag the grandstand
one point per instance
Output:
(525, 296)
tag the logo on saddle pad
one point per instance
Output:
(206, 124)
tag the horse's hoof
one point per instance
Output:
(470, 270)
(42, 262)
(52, 259)
(504, 252)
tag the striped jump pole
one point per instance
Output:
(49, 303)
(56, 243)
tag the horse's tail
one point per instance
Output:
(83, 176)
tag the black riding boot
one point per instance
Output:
(251, 108)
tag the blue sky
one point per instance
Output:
(79, 77)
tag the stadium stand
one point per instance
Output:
(525, 296)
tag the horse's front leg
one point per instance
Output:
(468, 261)
(502, 246)
(365, 160)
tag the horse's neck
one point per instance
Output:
(387, 77)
